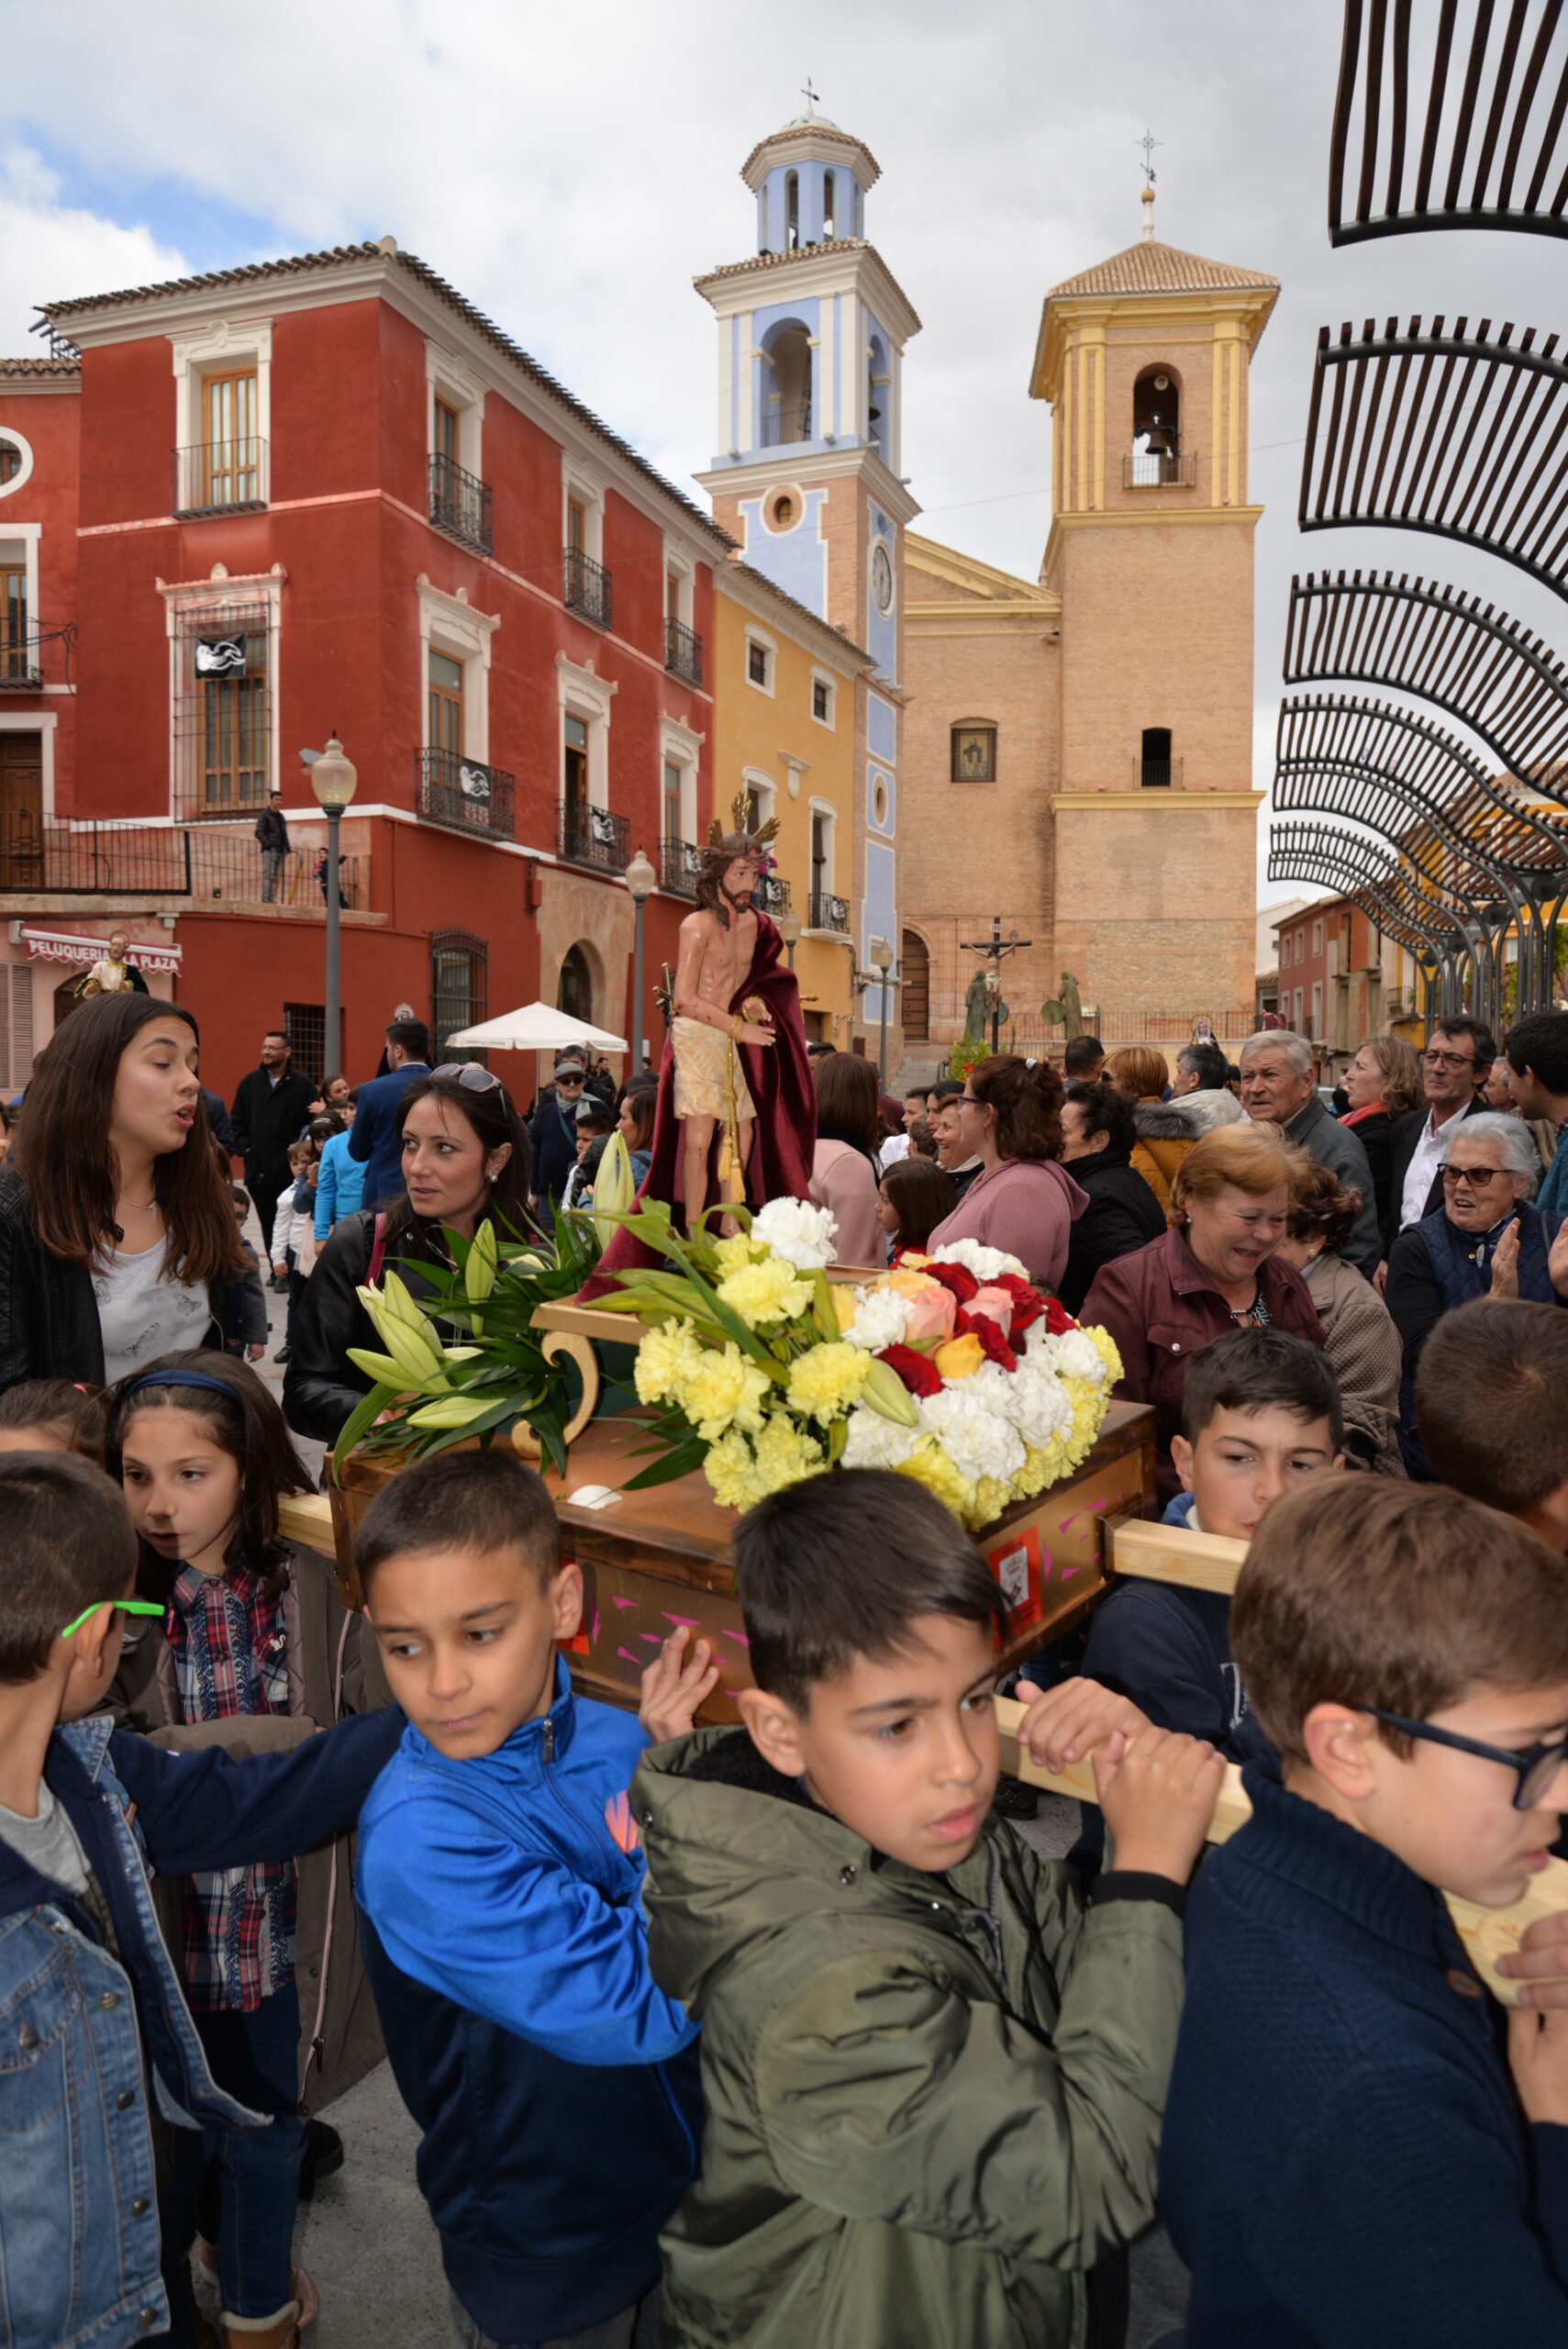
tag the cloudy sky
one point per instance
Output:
(572, 169)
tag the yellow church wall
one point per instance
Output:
(771, 739)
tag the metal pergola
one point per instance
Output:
(1328, 857)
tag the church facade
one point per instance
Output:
(1077, 750)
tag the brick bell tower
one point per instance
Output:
(811, 333)
(1144, 359)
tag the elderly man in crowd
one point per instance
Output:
(1454, 1067)
(1277, 1088)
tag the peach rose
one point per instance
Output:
(996, 1306)
(930, 1314)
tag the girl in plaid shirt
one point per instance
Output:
(255, 1652)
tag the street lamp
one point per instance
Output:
(882, 955)
(789, 930)
(334, 779)
(641, 879)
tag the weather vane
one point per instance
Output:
(1149, 142)
(811, 95)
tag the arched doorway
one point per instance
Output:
(574, 992)
(915, 961)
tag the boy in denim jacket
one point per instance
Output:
(92, 2015)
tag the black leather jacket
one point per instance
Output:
(49, 1316)
(323, 1387)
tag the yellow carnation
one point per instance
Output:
(664, 1356)
(959, 1358)
(771, 1291)
(731, 1470)
(718, 1390)
(991, 1497)
(734, 1252)
(932, 1467)
(826, 1380)
(785, 1453)
(1105, 1345)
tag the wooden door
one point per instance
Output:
(21, 811)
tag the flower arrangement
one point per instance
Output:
(952, 1368)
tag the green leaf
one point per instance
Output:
(362, 1418)
(679, 1461)
(837, 1436)
(822, 1313)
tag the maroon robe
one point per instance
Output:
(784, 1136)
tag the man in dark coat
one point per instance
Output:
(552, 1136)
(271, 1106)
(1098, 1137)
(1454, 1067)
(273, 840)
(373, 1138)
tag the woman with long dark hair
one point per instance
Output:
(117, 1239)
(844, 1170)
(465, 1160)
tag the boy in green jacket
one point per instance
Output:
(933, 2073)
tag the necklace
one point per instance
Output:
(139, 1207)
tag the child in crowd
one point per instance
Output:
(933, 2076)
(1492, 1405)
(1353, 2154)
(52, 1415)
(339, 1176)
(913, 1198)
(250, 1338)
(923, 1140)
(294, 1234)
(594, 1122)
(638, 1102)
(254, 1653)
(94, 2012)
(556, 2087)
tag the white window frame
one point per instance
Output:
(218, 589)
(759, 780)
(770, 646)
(446, 379)
(825, 677)
(24, 472)
(1317, 938)
(679, 746)
(679, 565)
(25, 536)
(1315, 1012)
(1301, 945)
(212, 350)
(1295, 1019)
(825, 808)
(1285, 950)
(587, 697)
(37, 721)
(578, 481)
(450, 624)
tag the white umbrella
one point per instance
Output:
(537, 1028)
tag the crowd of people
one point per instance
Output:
(779, 2035)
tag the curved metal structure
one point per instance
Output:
(1490, 152)
(1506, 685)
(1459, 434)
(1503, 868)
(1330, 858)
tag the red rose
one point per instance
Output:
(1058, 1318)
(1027, 1302)
(962, 1284)
(919, 1376)
(993, 1343)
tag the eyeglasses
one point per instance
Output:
(1448, 1060)
(470, 1074)
(1537, 1766)
(1477, 1177)
(123, 1606)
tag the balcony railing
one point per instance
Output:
(772, 896)
(1158, 468)
(459, 503)
(21, 658)
(464, 793)
(595, 837)
(829, 912)
(221, 477)
(586, 587)
(117, 860)
(682, 652)
(1157, 774)
(679, 865)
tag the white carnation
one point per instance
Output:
(804, 1235)
(882, 1318)
(1077, 1356)
(977, 1437)
(1037, 1403)
(873, 1441)
(983, 1262)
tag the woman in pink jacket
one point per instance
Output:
(1023, 1199)
(844, 1170)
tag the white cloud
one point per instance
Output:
(45, 241)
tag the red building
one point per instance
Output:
(1331, 984)
(322, 494)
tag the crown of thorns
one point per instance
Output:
(738, 813)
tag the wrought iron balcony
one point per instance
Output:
(465, 794)
(1158, 468)
(772, 896)
(21, 659)
(829, 912)
(683, 652)
(459, 503)
(1157, 774)
(586, 587)
(595, 837)
(679, 865)
(221, 477)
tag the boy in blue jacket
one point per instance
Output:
(1355, 2156)
(92, 2020)
(500, 1877)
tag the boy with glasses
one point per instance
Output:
(1353, 2154)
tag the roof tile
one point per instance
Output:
(1150, 267)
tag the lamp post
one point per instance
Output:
(789, 930)
(334, 779)
(882, 955)
(639, 878)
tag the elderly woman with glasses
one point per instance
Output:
(1485, 1240)
(465, 1160)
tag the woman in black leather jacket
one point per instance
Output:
(466, 1157)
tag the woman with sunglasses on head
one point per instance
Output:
(465, 1159)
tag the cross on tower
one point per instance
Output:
(811, 95)
(1148, 142)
